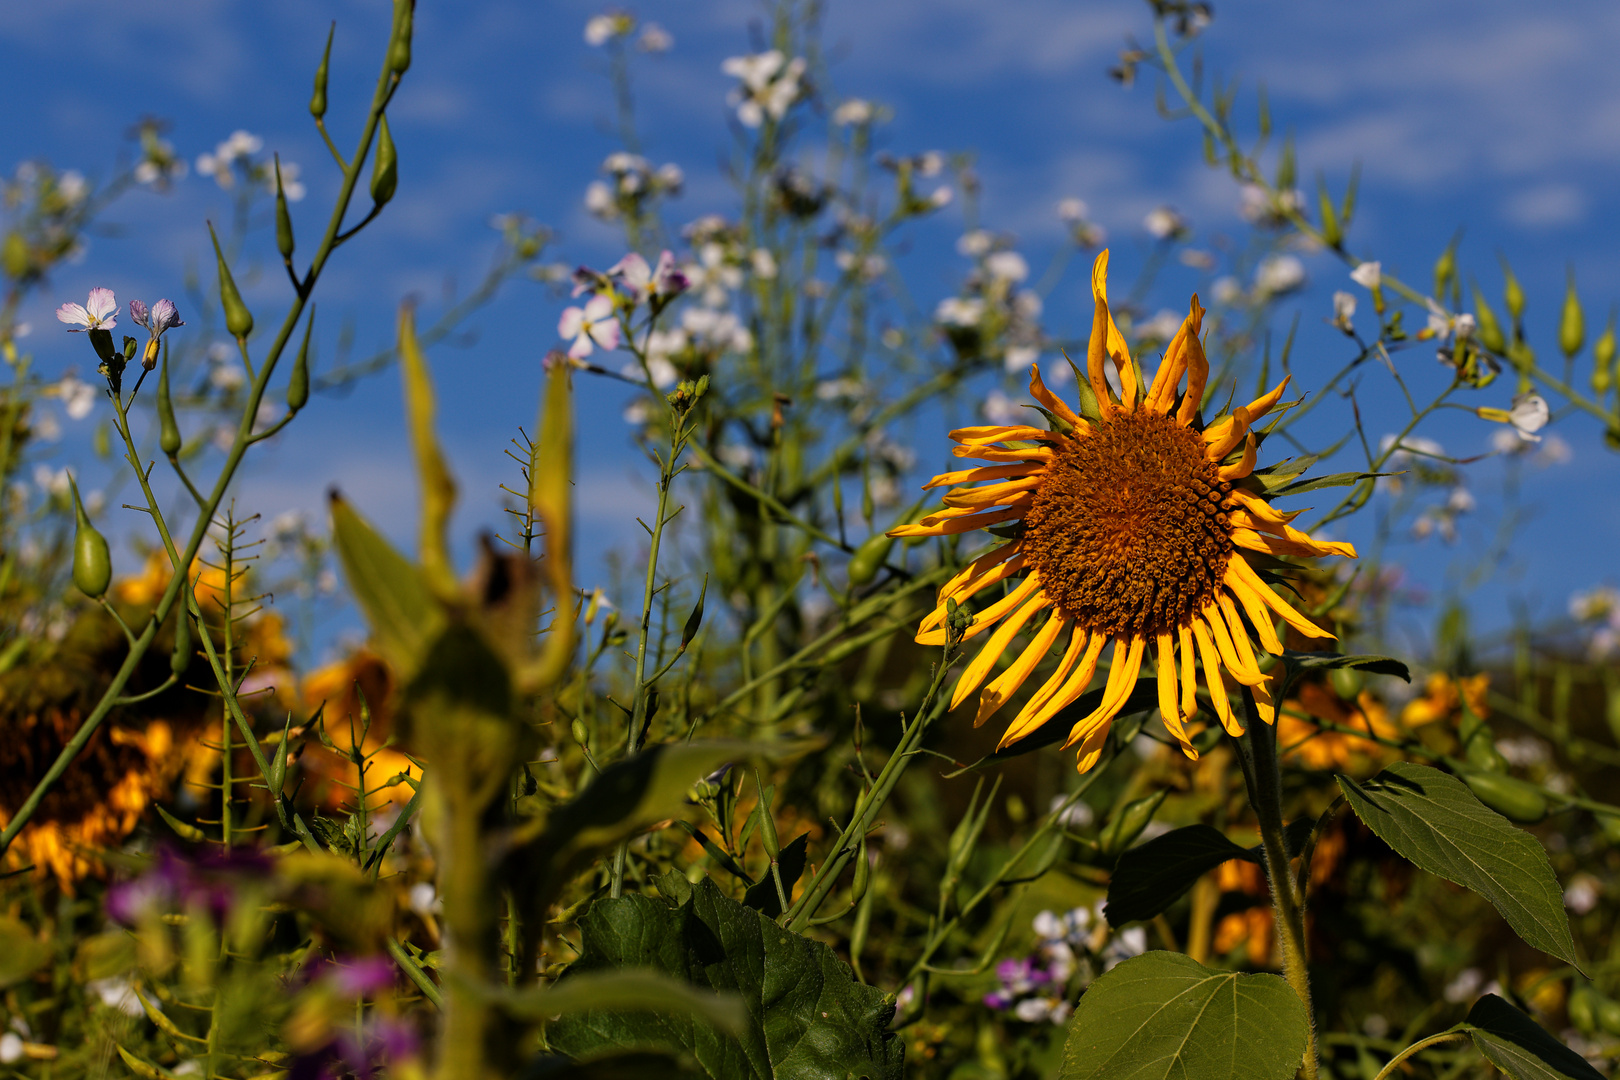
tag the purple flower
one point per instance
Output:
(590, 326)
(99, 312)
(173, 880)
(668, 279)
(163, 316)
(363, 977)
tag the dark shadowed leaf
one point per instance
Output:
(631, 1065)
(1517, 1045)
(1163, 1014)
(762, 895)
(807, 1019)
(627, 991)
(1154, 875)
(1435, 822)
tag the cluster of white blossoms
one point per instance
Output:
(1598, 611)
(614, 26)
(632, 183)
(236, 158)
(768, 85)
(993, 313)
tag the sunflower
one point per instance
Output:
(1132, 520)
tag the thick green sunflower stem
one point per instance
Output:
(1257, 751)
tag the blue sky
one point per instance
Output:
(1499, 117)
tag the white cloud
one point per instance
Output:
(1546, 205)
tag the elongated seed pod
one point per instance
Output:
(92, 561)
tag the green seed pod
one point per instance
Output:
(180, 659)
(1603, 361)
(385, 170)
(317, 100)
(1489, 331)
(1347, 682)
(1572, 325)
(92, 562)
(15, 257)
(863, 874)
(1583, 1008)
(298, 384)
(581, 736)
(1608, 1014)
(1513, 799)
(767, 827)
(1332, 231)
(1445, 269)
(1127, 824)
(238, 319)
(284, 229)
(168, 428)
(1512, 294)
(1480, 751)
(873, 552)
(399, 51)
(1286, 167)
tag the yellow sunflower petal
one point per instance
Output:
(1003, 433)
(1025, 721)
(948, 523)
(1260, 615)
(976, 671)
(1244, 466)
(1263, 703)
(1239, 568)
(1169, 708)
(964, 583)
(991, 494)
(1162, 394)
(1240, 635)
(1263, 404)
(1006, 684)
(1299, 548)
(1189, 680)
(1197, 378)
(1107, 343)
(1211, 660)
(983, 472)
(996, 453)
(1122, 673)
(1054, 404)
(1226, 648)
(987, 618)
(1222, 437)
(1091, 750)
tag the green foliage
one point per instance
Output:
(1163, 1014)
(806, 1016)
(1436, 822)
(1518, 1046)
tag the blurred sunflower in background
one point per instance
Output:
(1131, 523)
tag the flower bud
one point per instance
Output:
(1489, 331)
(1603, 361)
(1128, 822)
(873, 552)
(1572, 325)
(581, 736)
(399, 51)
(1445, 270)
(168, 429)
(298, 384)
(317, 100)
(238, 319)
(1512, 294)
(92, 561)
(385, 170)
(767, 827)
(284, 229)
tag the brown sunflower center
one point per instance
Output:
(1128, 531)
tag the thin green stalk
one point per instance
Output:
(1257, 752)
(1422, 1044)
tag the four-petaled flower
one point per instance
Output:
(642, 282)
(589, 326)
(163, 316)
(99, 312)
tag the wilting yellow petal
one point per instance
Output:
(1169, 709)
(1211, 661)
(1025, 721)
(1162, 394)
(1189, 681)
(1300, 549)
(976, 671)
(991, 494)
(1107, 343)
(1127, 665)
(946, 523)
(1006, 684)
(1239, 567)
(1244, 466)
(1262, 618)
(1054, 404)
(1197, 377)
(982, 472)
(1004, 433)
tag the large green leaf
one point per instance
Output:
(1517, 1045)
(1163, 1015)
(404, 615)
(1435, 822)
(626, 991)
(1154, 875)
(807, 1019)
